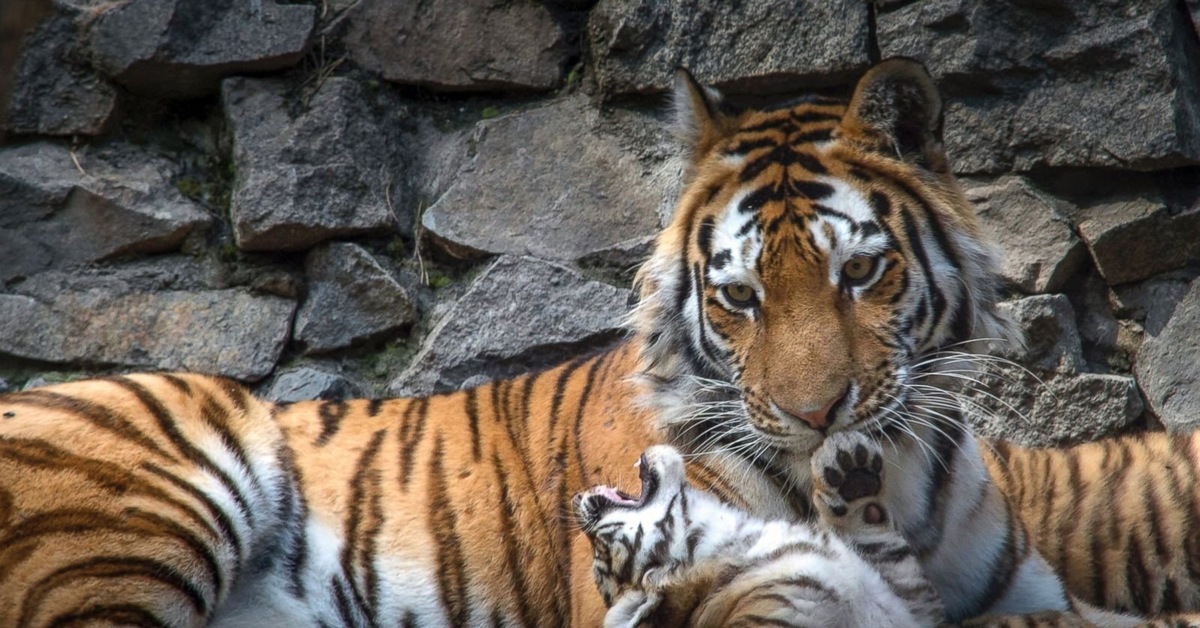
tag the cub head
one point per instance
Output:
(821, 262)
(637, 542)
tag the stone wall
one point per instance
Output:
(369, 197)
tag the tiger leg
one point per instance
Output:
(969, 541)
(848, 494)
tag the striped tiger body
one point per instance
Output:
(822, 274)
(676, 556)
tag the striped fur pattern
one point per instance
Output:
(677, 556)
(822, 275)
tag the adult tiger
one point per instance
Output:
(819, 264)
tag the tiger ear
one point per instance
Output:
(699, 120)
(897, 109)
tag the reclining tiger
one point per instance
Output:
(822, 273)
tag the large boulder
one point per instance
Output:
(521, 313)
(742, 46)
(351, 300)
(182, 48)
(53, 215)
(1139, 234)
(1167, 366)
(118, 320)
(462, 45)
(1040, 248)
(54, 89)
(301, 178)
(1110, 83)
(557, 181)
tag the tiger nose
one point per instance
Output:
(819, 419)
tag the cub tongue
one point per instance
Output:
(616, 496)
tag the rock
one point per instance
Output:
(305, 178)
(1074, 83)
(305, 383)
(55, 91)
(5, 386)
(182, 49)
(1109, 343)
(36, 382)
(1166, 366)
(56, 216)
(1138, 235)
(554, 182)
(351, 300)
(62, 318)
(463, 45)
(1054, 409)
(521, 313)
(1040, 247)
(1051, 338)
(745, 46)
(1152, 302)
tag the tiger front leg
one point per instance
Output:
(849, 494)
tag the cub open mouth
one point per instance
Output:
(603, 498)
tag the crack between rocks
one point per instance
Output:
(874, 54)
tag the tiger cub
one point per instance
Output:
(677, 556)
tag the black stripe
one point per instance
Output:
(296, 557)
(934, 294)
(811, 163)
(222, 518)
(179, 383)
(119, 614)
(96, 414)
(412, 426)
(358, 553)
(472, 409)
(452, 574)
(331, 413)
(374, 406)
(103, 567)
(560, 387)
(509, 521)
(813, 190)
(704, 236)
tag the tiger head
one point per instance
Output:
(822, 262)
(639, 542)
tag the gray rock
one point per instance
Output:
(555, 182)
(521, 313)
(1052, 409)
(1051, 338)
(61, 318)
(1167, 366)
(1040, 248)
(745, 46)
(1153, 302)
(1079, 83)
(351, 300)
(36, 382)
(1138, 235)
(55, 216)
(5, 386)
(1109, 343)
(305, 383)
(180, 48)
(301, 179)
(55, 91)
(462, 45)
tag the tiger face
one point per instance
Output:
(638, 541)
(820, 261)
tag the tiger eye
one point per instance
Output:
(858, 268)
(738, 294)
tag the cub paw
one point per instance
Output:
(847, 472)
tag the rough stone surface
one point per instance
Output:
(1079, 83)
(462, 45)
(1153, 302)
(304, 383)
(52, 215)
(1167, 366)
(1040, 248)
(521, 313)
(1051, 338)
(182, 48)
(1135, 236)
(56, 317)
(55, 91)
(351, 300)
(1050, 409)
(309, 177)
(551, 182)
(637, 44)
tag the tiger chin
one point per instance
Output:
(678, 557)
